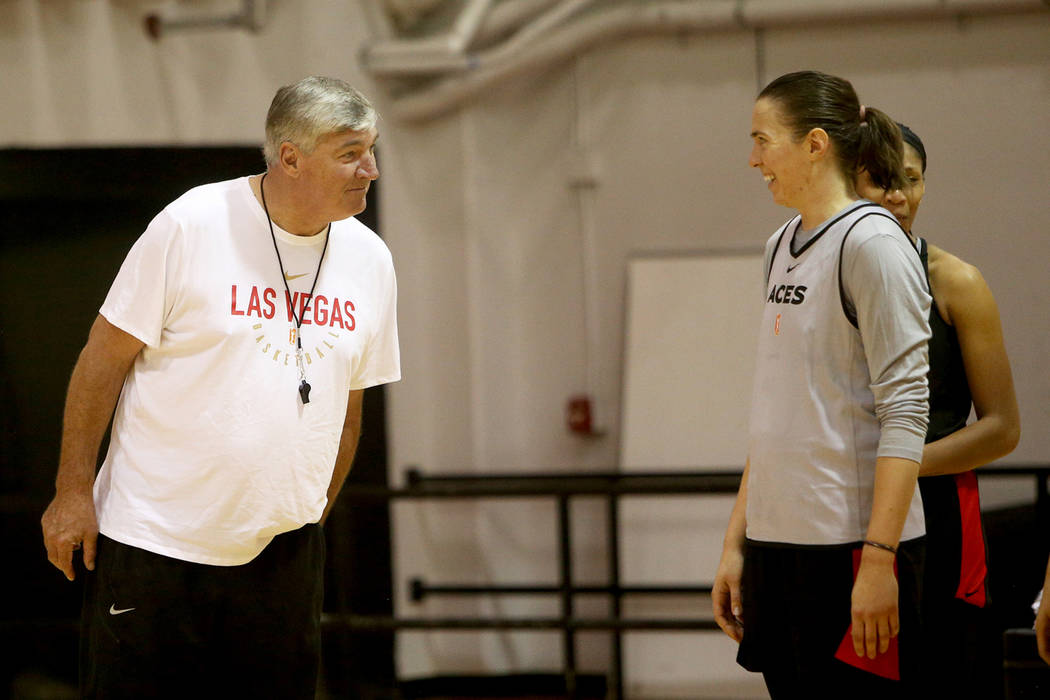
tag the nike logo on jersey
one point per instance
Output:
(113, 610)
(294, 277)
(792, 267)
(787, 294)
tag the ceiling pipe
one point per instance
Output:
(517, 56)
(773, 13)
(446, 52)
(509, 16)
(252, 16)
(538, 28)
(380, 25)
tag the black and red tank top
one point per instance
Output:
(956, 561)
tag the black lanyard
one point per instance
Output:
(304, 387)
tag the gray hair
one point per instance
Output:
(312, 108)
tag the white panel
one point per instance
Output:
(689, 360)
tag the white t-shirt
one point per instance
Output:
(212, 452)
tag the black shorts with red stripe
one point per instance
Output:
(964, 655)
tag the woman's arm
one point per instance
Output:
(725, 594)
(875, 613)
(895, 330)
(971, 308)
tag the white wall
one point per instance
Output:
(489, 237)
(84, 72)
(665, 122)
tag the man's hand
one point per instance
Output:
(69, 524)
(875, 606)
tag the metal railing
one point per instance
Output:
(563, 487)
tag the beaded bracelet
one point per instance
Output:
(880, 545)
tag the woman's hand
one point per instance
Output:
(725, 594)
(875, 604)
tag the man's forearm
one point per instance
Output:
(343, 462)
(69, 522)
(344, 458)
(93, 391)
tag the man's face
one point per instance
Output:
(902, 203)
(339, 171)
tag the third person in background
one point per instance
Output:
(968, 365)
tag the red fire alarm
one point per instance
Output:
(579, 415)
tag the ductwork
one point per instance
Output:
(566, 30)
(435, 54)
(508, 16)
(252, 16)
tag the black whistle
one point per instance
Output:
(304, 391)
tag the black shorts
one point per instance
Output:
(157, 627)
(796, 609)
(963, 650)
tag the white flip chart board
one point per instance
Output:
(689, 357)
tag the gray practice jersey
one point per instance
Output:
(840, 378)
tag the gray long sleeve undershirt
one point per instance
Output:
(885, 286)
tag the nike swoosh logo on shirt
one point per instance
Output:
(113, 610)
(294, 277)
(792, 267)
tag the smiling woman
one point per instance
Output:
(902, 202)
(823, 554)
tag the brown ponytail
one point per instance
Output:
(863, 137)
(880, 150)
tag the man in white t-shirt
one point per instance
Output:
(235, 344)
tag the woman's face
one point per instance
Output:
(902, 203)
(783, 161)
